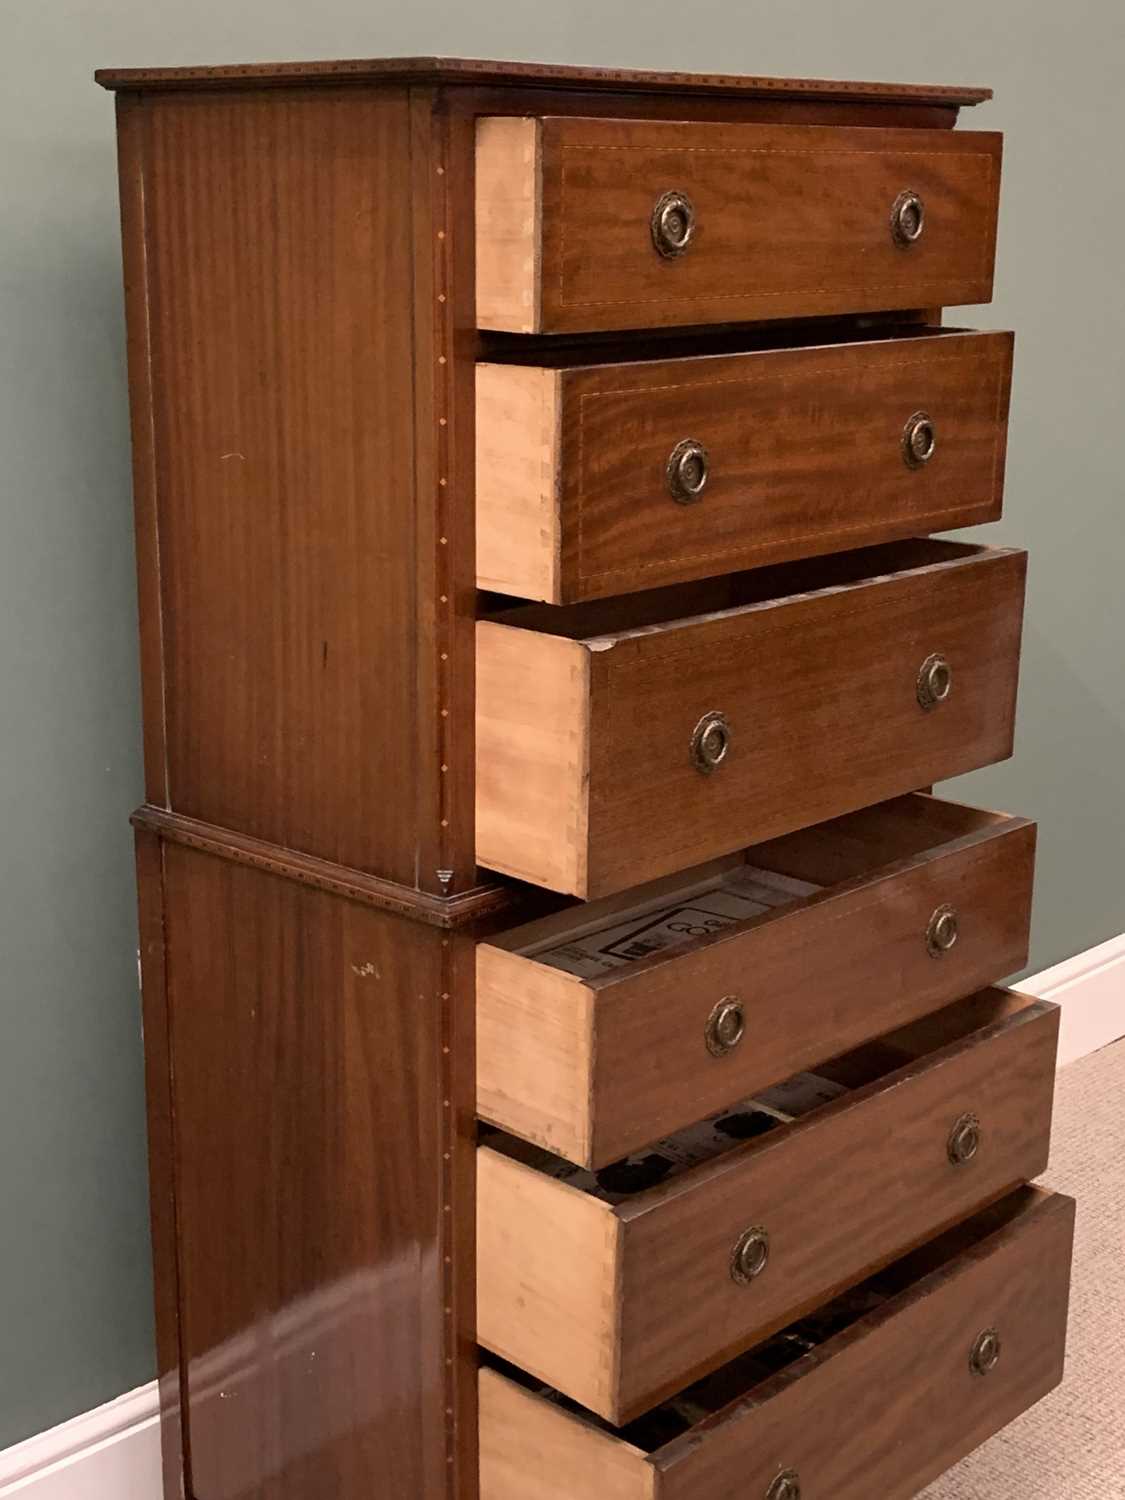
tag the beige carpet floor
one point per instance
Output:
(1072, 1445)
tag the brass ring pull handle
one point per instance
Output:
(942, 931)
(908, 219)
(964, 1140)
(686, 471)
(726, 1026)
(985, 1353)
(787, 1486)
(935, 679)
(750, 1255)
(919, 441)
(710, 742)
(673, 224)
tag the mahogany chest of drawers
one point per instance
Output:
(575, 1067)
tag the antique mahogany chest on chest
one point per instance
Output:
(574, 1066)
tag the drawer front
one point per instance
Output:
(821, 695)
(962, 1119)
(581, 489)
(595, 768)
(838, 1198)
(882, 1408)
(580, 222)
(595, 1069)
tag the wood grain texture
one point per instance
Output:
(306, 1039)
(532, 1450)
(303, 469)
(442, 377)
(537, 1057)
(519, 526)
(840, 1193)
(161, 1158)
(900, 1379)
(805, 456)
(480, 71)
(792, 220)
(454, 1322)
(908, 1419)
(842, 1196)
(485, 99)
(449, 912)
(533, 754)
(815, 666)
(593, 1070)
(280, 344)
(549, 1258)
(303, 383)
(508, 206)
(131, 130)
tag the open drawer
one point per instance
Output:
(602, 471)
(615, 1022)
(624, 739)
(876, 1395)
(621, 1286)
(585, 224)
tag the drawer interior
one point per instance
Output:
(579, 351)
(751, 1377)
(682, 604)
(701, 1148)
(601, 939)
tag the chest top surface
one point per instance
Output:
(465, 70)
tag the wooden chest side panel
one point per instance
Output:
(314, 1207)
(161, 1157)
(272, 274)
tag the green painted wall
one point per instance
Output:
(74, 1284)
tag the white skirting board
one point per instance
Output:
(1090, 988)
(110, 1453)
(113, 1452)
